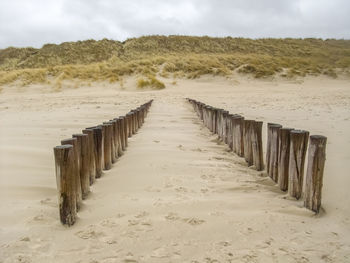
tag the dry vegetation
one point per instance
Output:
(173, 56)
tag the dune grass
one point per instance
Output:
(173, 56)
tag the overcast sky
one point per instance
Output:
(36, 22)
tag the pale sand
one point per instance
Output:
(176, 195)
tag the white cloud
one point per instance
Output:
(36, 22)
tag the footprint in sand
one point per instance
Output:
(193, 221)
(90, 233)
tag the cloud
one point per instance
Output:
(36, 22)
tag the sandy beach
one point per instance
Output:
(177, 194)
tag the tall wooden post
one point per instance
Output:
(274, 148)
(83, 141)
(107, 154)
(65, 178)
(314, 173)
(76, 162)
(283, 158)
(298, 146)
(268, 145)
(248, 151)
(257, 147)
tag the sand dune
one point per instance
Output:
(177, 194)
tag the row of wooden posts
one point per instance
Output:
(81, 159)
(285, 153)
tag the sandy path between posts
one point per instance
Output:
(176, 195)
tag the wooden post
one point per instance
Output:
(107, 151)
(214, 114)
(283, 158)
(274, 147)
(98, 142)
(238, 138)
(224, 126)
(119, 136)
(122, 131)
(83, 141)
(257, 147)
(76, 162)
(91, 153)
(314, 172)
(248, 151)
(298, 146)
(114, 143)
(126, 130)
(268, 145)
(65, 178)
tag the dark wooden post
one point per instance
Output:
(283, 158)
(98, 142)
(126, 130)
(274, 147)
(92, 162)
(298, 146)
(114, 143)
(248, 151)
(107, 151)
(122, 131)
(83, 142)
(65, 178)
(257, 147)
(76, 161)
(119, 136)
(314, 172)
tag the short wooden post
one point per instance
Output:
(224, 127)
(107, 151)
(76, 161)
(283, 158)
(248, 151)
(83, 141)
(298, 147)
(92, 163)
(65, 178)
(274, 148)
(257, 147)
(314, 172)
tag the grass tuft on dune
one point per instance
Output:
(174, 56)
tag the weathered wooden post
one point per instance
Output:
(65, 178)
(238, 137)
(214, 114)
(314, 172)
(83, 142)
(283, 158)
(268, 145)
(114, 143)
(274, 147)
(298, 147)
(122, 132)
(126, 130)
(248, 151)
(257, 147)
(129, 124)
(92, 162)
(107, 154)
(224, 126)
(76, 162)
(119, 136)
(98, 141)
